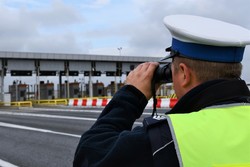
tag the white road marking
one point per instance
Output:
(47, 116)
(53, 116)
(70, 110)
(3, 124)
(6, 164)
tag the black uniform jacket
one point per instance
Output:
(111, 141)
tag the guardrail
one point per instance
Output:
(35, 102)
(51, 102)
(17, 104)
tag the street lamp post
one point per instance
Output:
(82, 80)
(16, 87)
(120, 53)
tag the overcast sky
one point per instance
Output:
(101, 26)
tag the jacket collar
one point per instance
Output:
(213, 92)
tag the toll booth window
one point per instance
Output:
(22, 93)
(50, 92)
(76, 91)
(99, 91)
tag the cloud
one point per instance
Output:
(45, 29)
(101, 26)
(57, 14)
(58, 43)
(101, 2)
(150, 35)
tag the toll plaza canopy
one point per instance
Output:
(21, 63)
(57, 64)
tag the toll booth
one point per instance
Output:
(120, 85)
(111, 88)
(18, 91)
(74, 90)
(98, 89)
(46, 90)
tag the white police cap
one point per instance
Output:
(206, 39)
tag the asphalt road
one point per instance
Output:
(43, 137)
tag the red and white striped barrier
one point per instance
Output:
(89, 102)
(161, 103)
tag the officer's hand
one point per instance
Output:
(141, 77)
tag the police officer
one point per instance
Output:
(210, 124)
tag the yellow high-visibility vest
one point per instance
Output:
(213, 137)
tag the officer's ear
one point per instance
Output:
(186, 75)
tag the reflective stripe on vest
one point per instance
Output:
(213, 137)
